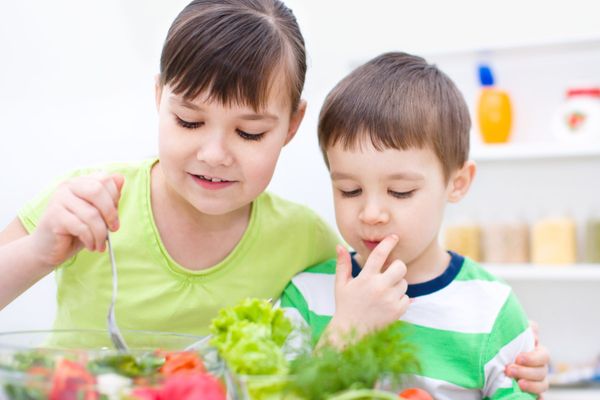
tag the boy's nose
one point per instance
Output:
(214, 151)
(373, 213)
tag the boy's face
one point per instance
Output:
(217, 157)
(379, 193)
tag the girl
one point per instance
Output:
(193, 230)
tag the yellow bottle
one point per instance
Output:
(494, 111)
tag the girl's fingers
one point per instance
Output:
(73, 226)
(98, 195)
(91, 217)
(379, 255)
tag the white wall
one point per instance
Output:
(76, 83)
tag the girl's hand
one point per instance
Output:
(77, 216)
(531, 368)
(375, 298)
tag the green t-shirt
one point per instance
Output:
(155, 293)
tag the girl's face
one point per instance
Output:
(379, 193)
(217, 157)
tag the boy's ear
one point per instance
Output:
(460, 181)
(295, 120)
(157, 91)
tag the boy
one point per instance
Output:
(395, 137)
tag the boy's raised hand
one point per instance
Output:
(78, 215)
(374, 299)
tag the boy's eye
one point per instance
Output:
(187, 124)
(351, 193)
(401, 195)
(250, 136)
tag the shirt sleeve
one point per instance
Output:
(325, 241)
(510, 336)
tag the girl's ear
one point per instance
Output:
(295, 121)
(157, 91)
(460, 181)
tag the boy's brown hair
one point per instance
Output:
(398, 101)
(234, 50)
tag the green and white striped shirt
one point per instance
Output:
(465, 324)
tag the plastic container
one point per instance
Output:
(578, 118)
(554, 241)
(494, 110)
(505, 242)
(592, 240)
(464, 239)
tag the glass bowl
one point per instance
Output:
(83, 364)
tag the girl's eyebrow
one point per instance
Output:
(250, 117)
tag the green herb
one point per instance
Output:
(127, 365)
(330, 371)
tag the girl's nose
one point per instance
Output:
(214, 151)
(373, 213)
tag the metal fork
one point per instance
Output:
(113, 328)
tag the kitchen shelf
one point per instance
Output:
(534, 151)
(561, 273)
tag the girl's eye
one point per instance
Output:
(351, 193)
(250, 136)
(401, 195)
(188, 125)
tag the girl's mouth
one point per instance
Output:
(211, 183)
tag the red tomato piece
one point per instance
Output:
(415, 394)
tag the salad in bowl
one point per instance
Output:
(82, 364)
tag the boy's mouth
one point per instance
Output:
(371, 244)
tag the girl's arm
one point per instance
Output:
(19, 266)
(79, 214)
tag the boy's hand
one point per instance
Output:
(77, 216)
(375, 298)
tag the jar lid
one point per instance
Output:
(584, 91)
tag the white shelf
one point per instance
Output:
(575, 272)
(534, 151)
(572, 394)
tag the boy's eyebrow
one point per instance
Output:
(251, 117)
(411, 176)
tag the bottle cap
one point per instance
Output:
(486, 78)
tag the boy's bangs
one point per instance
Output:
(381, 122)
(228, 67)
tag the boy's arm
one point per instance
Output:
(510, 336)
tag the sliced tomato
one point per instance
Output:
(71, 381)
(193, 387)
(415, 394)
(187, 361)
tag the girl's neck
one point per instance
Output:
(193, 239)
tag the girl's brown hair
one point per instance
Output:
(398, 101)
(234, 50)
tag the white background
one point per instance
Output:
(76, 89)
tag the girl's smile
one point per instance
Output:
(212, 183)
